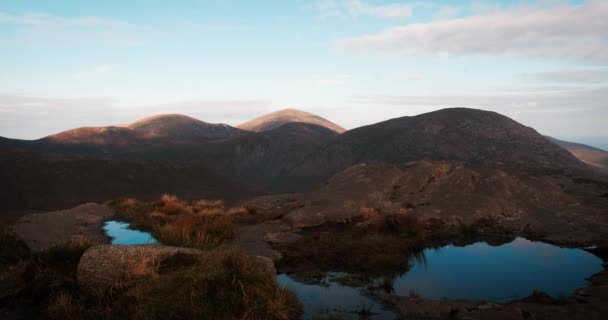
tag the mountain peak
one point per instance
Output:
(278, 118)
(164, 120)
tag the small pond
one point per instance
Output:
(120, 233)
(475, 272)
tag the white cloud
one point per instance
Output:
(559, 31)
(48, 20)
(357, 8)
(573, 76)
(446, 12)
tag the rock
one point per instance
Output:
(268, 265)
(41, 231)
(282, 237)
(104, 266)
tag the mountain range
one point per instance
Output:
(285, 151)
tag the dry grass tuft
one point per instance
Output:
(202, 224)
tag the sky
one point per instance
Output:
(69, 63)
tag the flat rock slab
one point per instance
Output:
(44, 230)
(102, 266)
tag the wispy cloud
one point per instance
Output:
(358, 8)
(573, 76)
(559, 31)
(48, 29)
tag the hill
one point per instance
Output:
(593, 156)
(182, 127)
(276, 119)
(465, 135)
(46, 181)
(167, 127)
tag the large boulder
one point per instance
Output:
(104, 266)
(41, 231)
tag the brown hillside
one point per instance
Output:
(276, 119)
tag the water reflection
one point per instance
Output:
(499, 273)
(496, 270)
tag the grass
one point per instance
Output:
(375, 247)
(202, 224)
(380, 246)
(220, 284)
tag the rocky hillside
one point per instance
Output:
(44, 181)
(276, 119)
(593, 156)
(180, 127)
(465, 135)
(494, 201)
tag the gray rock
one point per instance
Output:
(41, 231)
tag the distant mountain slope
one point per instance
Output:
(465, 135)
(182, 127)
(44, 181)
(171, 127)
(591, 155)
(279, 118)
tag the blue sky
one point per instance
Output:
(67, 64)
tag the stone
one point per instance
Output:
(41, 231)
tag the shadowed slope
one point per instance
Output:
(44, 181)
(279, 118)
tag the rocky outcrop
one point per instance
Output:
(41, 231)
(105, 266)
(557, 208)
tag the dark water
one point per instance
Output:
(121, 234)
(334, 299)
(477, 272)
(509, 271)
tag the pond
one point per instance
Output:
(120, 233)
(478, 271)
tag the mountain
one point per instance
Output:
(299, 156)
(465, 135)
(279, 118)
(50, 181)
(590, 155)
(172, 127)
(261, 158)
(182, 127)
